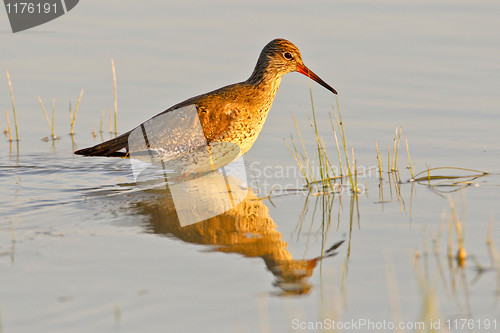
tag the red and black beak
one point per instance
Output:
(307, 72)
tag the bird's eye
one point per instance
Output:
(287, 55)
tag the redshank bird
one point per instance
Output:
(222, 124)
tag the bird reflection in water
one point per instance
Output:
(246, 228)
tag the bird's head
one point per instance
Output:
(280, 57)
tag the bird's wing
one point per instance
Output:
(178, 139)
(173, 132)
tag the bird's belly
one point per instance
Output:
(244, 133)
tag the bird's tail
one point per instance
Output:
(108, 148)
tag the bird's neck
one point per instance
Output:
(265, 80)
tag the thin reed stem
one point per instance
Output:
(397, 140)
(327, 159)
(379, 161)
(73, 117)
(306, 156)
(394, 151)
(13, 105)
(321, 161)
(355, 189)
(341, 123)
(337, 143)
(51, 125)
(8, 125)
(297, 159)
(409, 159)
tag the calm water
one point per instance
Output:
(83, 248)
